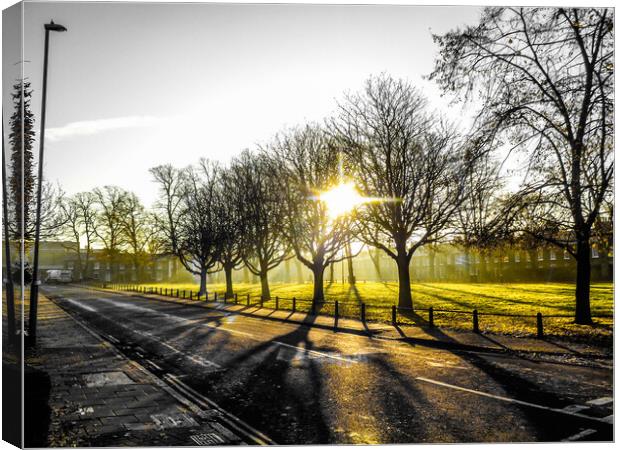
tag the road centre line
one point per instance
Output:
(512, 400)
(80, 305)
(579, 435)
(228, 330)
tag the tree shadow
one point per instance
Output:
(276, 385)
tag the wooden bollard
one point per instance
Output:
(215, 295)
(294, 304)
(248, 300)
(191, 295)
(539, 326)
(431, 322)
(261, 301)
(183, 293)
(177, 293)
(363, 312)
(235, 298)
(336, 310)
(393, 314)
(277, 302)
(476, 327)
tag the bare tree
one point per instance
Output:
(231, 227)
(259, 199)
(198, 238)
(80, 222)
(486, 218)
(169, 207)
(136, 230)
(109, 225)
(545, 80)
(306, 163)
(407, 160)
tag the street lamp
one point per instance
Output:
(34, 287)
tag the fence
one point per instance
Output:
(429, 317)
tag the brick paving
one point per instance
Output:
(98, 397)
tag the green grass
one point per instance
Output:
(550, 299)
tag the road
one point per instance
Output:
(304, 385)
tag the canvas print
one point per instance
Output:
(289, 224)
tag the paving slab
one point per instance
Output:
(98, 397)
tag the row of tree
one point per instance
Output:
(543, 80)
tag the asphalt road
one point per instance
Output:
(304, 385)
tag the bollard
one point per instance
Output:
(160, 291)
(313, 309)
(431, 322)
(393, 314)
(261, 301)
(215, 295)
(248, 300)
(363, 312)
(183, 293)
(539, 326)
(177, 293)
(191, 294)
(166, 292)
(224, 298)
(294, 304)
(476, 328)
(277, 302)
(235, 298)
(336, 310)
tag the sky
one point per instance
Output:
(132, 86)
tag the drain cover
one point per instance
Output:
(163, 421)
(106, 379)
(207, 439)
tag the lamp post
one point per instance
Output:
(34, 287)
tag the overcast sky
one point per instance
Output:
(131, 86)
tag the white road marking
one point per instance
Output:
(579, 435)
(80, 305)
(575, 408)
(512, 400)
(228, 330)
(600, 401)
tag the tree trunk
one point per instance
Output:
(318, 271)
(203, 281)
(229, 282)
(264, 285)
(331, 273)
(404, 282)
(582, 291)
(351, 277)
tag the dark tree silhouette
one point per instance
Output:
(544, 77)
(80, 226)
(109, 224)
(259, 200)
(231, 226)
(305, 163)
(407, 157)
(199, 242)
(22, 178)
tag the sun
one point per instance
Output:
(341, 199)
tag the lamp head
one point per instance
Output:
(54, 26)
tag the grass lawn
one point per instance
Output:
(550, 299)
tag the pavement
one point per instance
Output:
(97, 396)
(306, 380)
